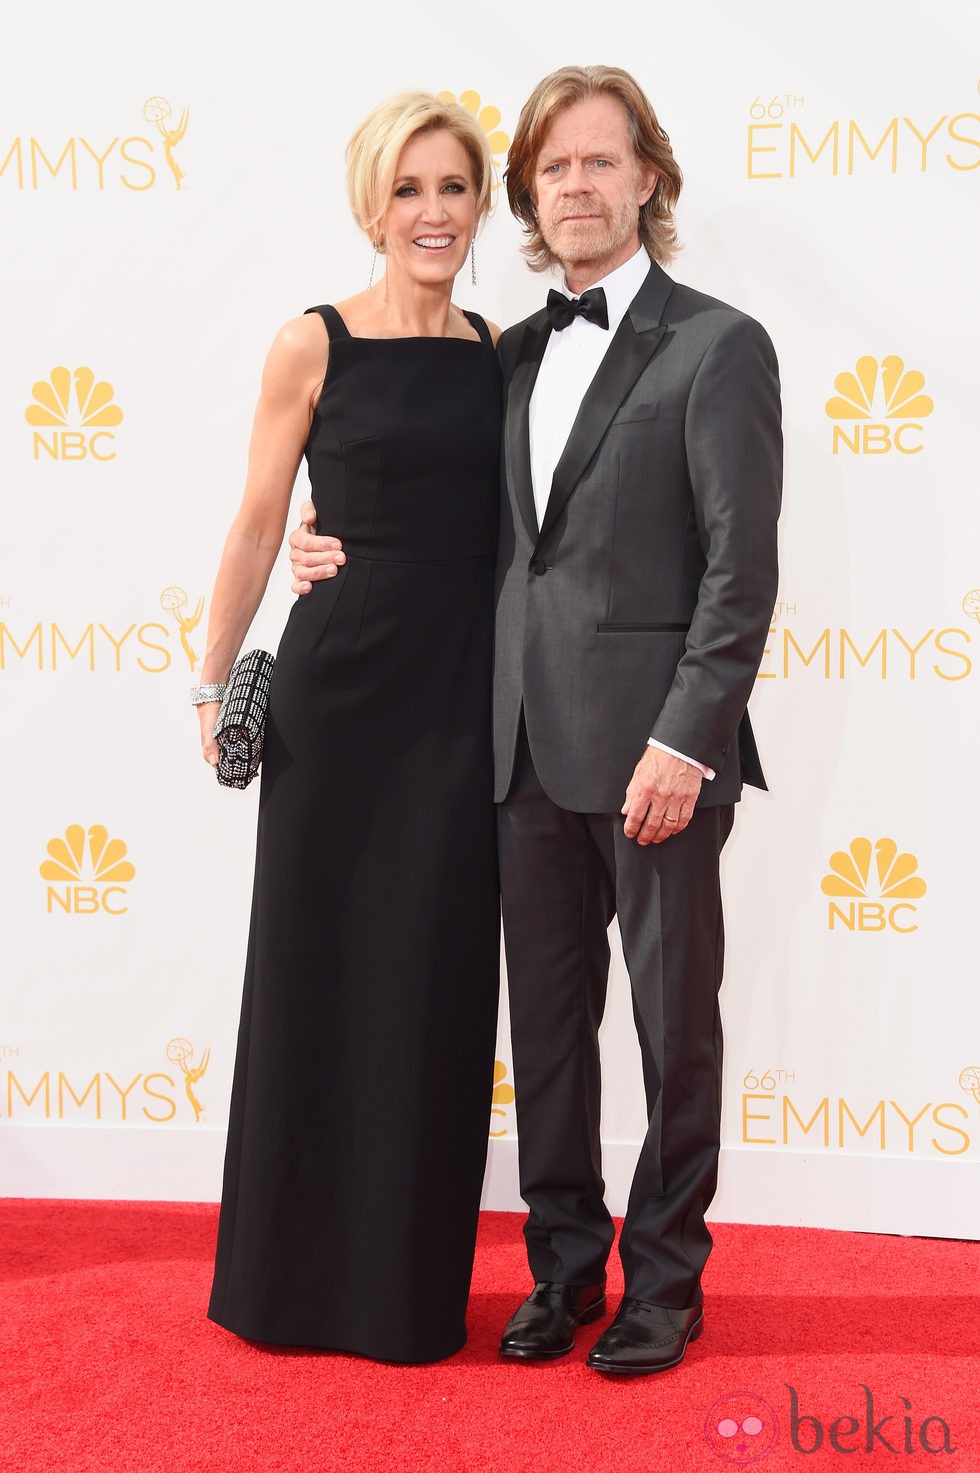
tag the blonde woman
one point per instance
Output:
(359, 1114)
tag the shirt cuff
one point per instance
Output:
(707, 772)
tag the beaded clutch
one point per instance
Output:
(240, 727)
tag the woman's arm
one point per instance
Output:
(291, 379)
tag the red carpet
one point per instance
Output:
(107, 1363)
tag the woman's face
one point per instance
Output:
(432, 216)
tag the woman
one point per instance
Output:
(360, 1106)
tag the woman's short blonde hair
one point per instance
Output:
(374, 150)
(658, 233)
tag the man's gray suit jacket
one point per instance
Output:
(641, 605)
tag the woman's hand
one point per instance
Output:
(208, 715)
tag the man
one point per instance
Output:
(636, 581)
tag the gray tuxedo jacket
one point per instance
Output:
(640, 607)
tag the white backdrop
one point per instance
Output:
(171, 188)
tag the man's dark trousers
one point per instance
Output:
(563, 877)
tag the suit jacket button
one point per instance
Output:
(539, 566)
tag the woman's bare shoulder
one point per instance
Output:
(297, 360)
(301, 343)
(302, 337)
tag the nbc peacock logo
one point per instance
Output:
(503, 1094)
(489, 118)
(73, 415)
(87, 872)
(873, 899)
(875, 392)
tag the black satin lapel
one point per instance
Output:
(629, 353)
(517, 439)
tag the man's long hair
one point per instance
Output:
(561, 89)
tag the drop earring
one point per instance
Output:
(473, 260)
(374, 262)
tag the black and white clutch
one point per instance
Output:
(240, 727)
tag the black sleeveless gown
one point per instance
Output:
(360, 1108)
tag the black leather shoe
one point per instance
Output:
(645, 1337)
(545, 1324)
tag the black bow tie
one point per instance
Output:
(591, 305)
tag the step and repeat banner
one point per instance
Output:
(171, 191)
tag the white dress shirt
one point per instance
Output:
(571, 360)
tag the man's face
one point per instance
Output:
(589, 186)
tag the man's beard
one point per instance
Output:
(593, 240)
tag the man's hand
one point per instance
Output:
(660, 798)
(311, 557)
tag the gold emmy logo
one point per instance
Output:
(969, 1082)
(503, 1094)
(777, 1111)
(121, 1096)
(100, 162)
(895, 884)
(105, 867)
(91, 416)
(94, 646)
(158, 112)
(488, 119)
(180, 1051)
(874, 392)
(785, 141)
(886, 653)
(175, 601)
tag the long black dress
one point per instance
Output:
(360, 1108)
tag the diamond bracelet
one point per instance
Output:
(203, 695)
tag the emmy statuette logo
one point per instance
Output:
(971, 604)
(87, 872)
(875, 392)
(175, 601)
(180, 1051)
(877, 901)
(73, 415)
(969, 1081)
(158, 113)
